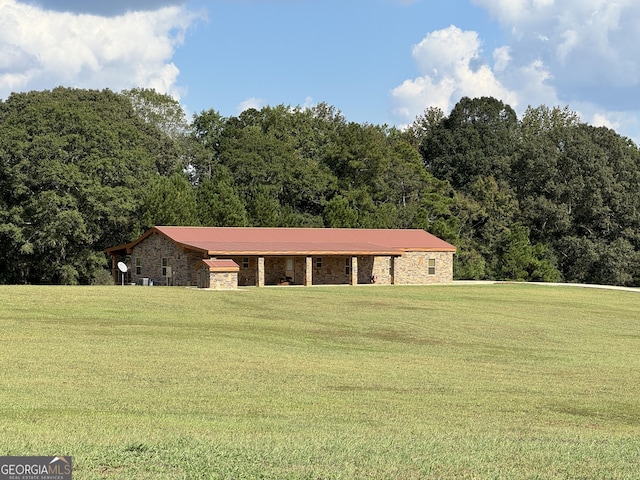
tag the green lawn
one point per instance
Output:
(492, 381)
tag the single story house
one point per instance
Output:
(225, 257)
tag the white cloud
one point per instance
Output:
(308, 102)
(626, 123)
(584, 42)
(516, 12)
(43, 49)
(252, 102)
(584, 51)
(575, 53)
(446, 49)
(451, 67)
(501, 58)
(414, 96)
(604, 120)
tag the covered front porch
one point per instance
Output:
(310, 270)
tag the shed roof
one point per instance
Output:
(296, 241)
(222, 265)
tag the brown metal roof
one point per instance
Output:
(221, 265)
(296, 241)
(314, 241)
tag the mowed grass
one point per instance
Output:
(492, 381)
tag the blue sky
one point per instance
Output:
(378, 61)
(350, 54)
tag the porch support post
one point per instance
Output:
(354, 270)
(392, 269)
(260, 279)
(114, 269)
(308, 271)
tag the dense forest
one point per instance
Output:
(542, 198)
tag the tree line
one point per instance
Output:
(542, 198)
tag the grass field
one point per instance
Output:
(494, 381)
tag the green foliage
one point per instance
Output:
(73, 166)
(207, 129)
(544, 197)
(219, 204)
(424, 125)
(102, 277)
(522, 261)
(160, 110)
(580, 190)
(575, 188)
(469, 264)
(476, 140)
(339, 214)
(264, 208)
(169, 201)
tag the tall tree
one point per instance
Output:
(579, 190)
(219, 204)
(424, 125)
(522, 261)
(206, 133)
(264, 208)
(160, 110)
(477, 139)
(169, 201)
(73, 164)
(339, 214)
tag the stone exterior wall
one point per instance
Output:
(193, 260)
(223, 280)
(413, 268)
(332, 272)
(377, 270)
(204, 280)
(152, 250)
(276, 270)
(217, 280)
(300, 265)
(248, 274)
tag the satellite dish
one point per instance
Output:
(122, 267)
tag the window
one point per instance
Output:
(318, 262)
(245, 262)
(432, 266)
(138, 266)
(347, 266)
(165, 264)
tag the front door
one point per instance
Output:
(290, 270)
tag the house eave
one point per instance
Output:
(430, 250)
(302, 253)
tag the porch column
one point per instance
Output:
(308, 271)
(260, 277)
(354, 270)
(392, 269)
(114, 269)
